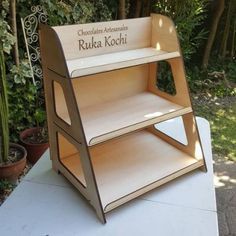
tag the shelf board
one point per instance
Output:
(111, 61)
(111, 119)
(114, 118)
(132, 165)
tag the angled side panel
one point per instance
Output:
(163, 35)
(91, 191)
(182, 92)
(193, 146)
(55, 69)
(51, 51)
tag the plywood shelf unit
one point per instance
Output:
(103, 102)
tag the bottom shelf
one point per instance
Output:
(132, 165)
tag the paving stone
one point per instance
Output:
(223, 226)
(231, 219)
(232, 202)
(225, 172)
(223, 198)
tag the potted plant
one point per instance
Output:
(35, 139)
(12, 156)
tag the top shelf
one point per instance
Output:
(112, 61)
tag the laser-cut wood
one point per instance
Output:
(103, 102)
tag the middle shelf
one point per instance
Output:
(104, 121)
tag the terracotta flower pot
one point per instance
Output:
(12, 171)
(34, 150)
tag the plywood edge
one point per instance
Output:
(72, 178)
(51, 50)
(152, 186)
(125, 130)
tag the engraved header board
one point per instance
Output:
(84, 40)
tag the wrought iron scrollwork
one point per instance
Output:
(30, 29)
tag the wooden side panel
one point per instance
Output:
(84, 40)
(182, 94)
(66, 150)
(193, 146)
(74, 133)
(163, 35)
(74, 117)
(60, 103)
(91, 191)
(51, 51)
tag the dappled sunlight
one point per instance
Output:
(171, 28)
(217, 182)
(221, 159)
(175, 127)
(224, 180)
(198, 151)
(194, 129)
(223, 127)
(155, 114)
(158, 46)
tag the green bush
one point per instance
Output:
(189, 17)
(218, 80)
(22, 99)
(68, 12)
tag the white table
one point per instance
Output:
(45, 203)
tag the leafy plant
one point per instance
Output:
(222, 118)
(165, 80)
(40, 118)
(6, 41)
(22, 99)
(5, 189)
(189, 16)
(70, 11)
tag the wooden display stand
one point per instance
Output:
(102, 105)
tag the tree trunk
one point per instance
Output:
(122, 14)
(215, 20)
(138, 8)
(223, 49)
(233, 40)
(14, 32)
(146, 8)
